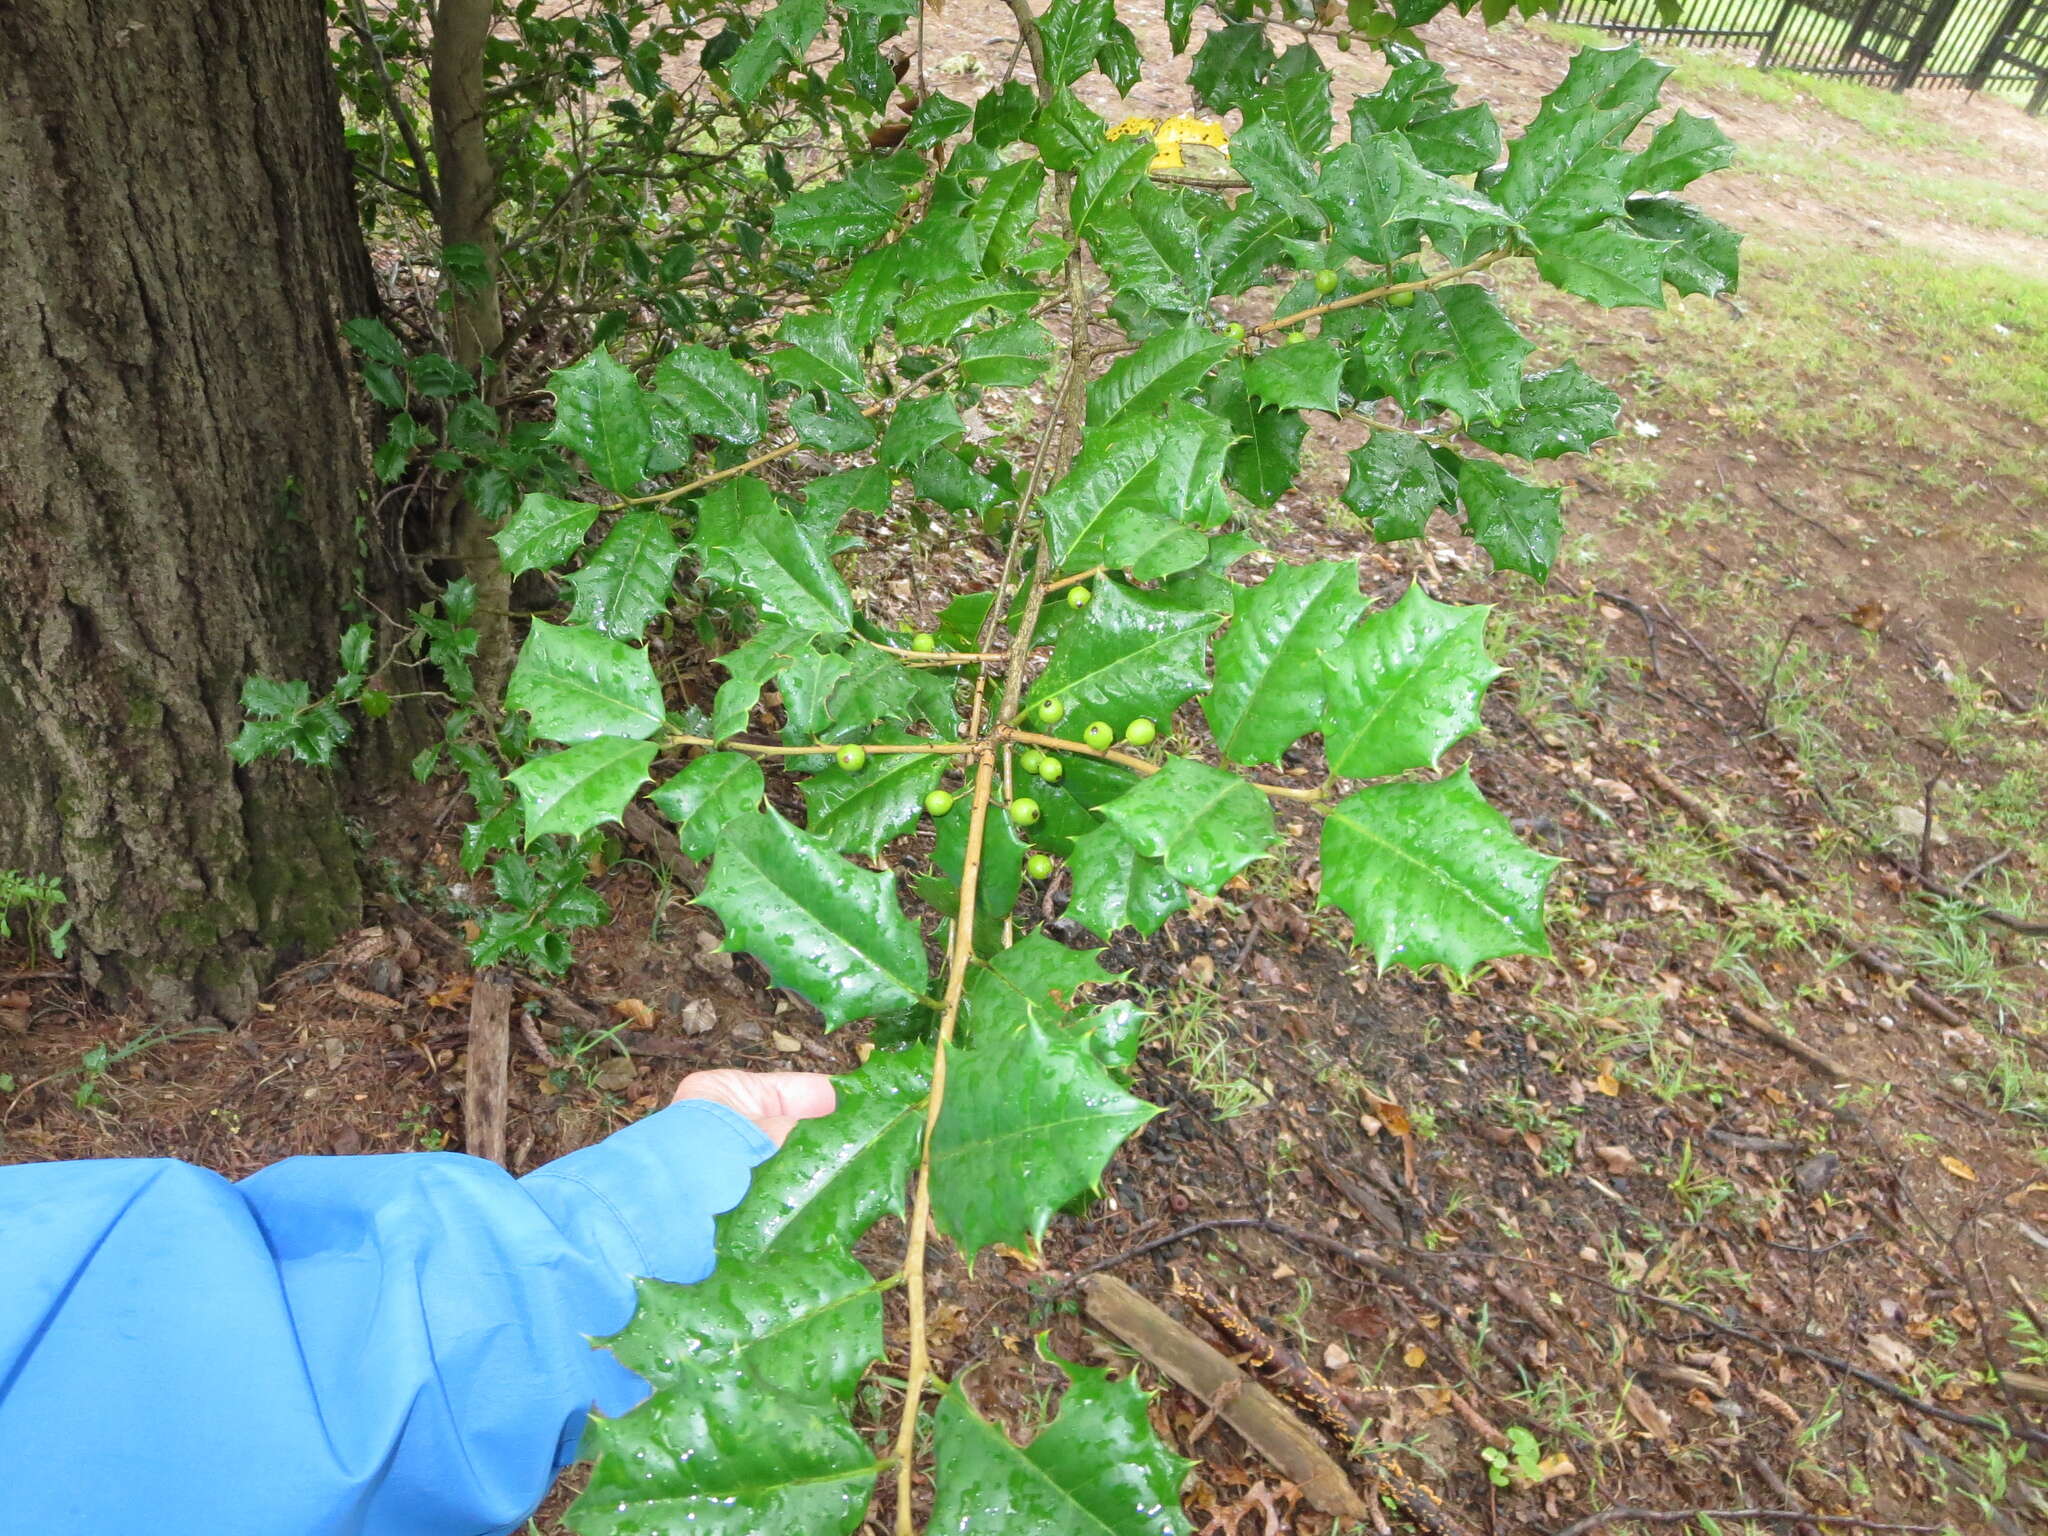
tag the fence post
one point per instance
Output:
(1769, 55)
(1932, 25)
(1987, 59)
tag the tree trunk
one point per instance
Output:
(183, 478)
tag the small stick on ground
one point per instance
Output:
(1250, 1409)
(1774, 1516)
(485, 1088)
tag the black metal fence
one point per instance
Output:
(1998, 45)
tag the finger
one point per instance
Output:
(776, 1127)
(801, 1095)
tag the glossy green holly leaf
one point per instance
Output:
(1033, 974)
(1514, 521)
(545, 531)
(863, 812)
(844, 215)
(1065, 130)
(1704, 255)
(1265, 154)
(836, 1176)
(712, 393)
(1264, 461)
(788, 570)
(841, 427)
(1395, 483)
(1563, 411)
(718, 1452)
(1430, 874)
(1007, 356)
(943, 310)
(1679, 153)
(1416, 87)
(627, 582)
(1456, 143)
(819, 352)
(937, 118)
(1295, 98)
(1116, 886)
(1466, 353)
(1245, 240)
(822, 925)
(1405, 685)
(1163, 368)
(1129, 654)
(1098, 1468)
(1112, 473)
(778, 42)
(1201, 823)
(580, 787)
(1306, 376)
(1105, 180)
(722, 517)
(1002, 115)
(709, 791)
(947, 476)
(1003, 1161)
(917, 426)
(1073, 32)
(1005, 214)
(1187, 477)
(1002, 872)
(1150, 544)
(1230, 65)
(601, 416)
(1610, 264)
(1269, 673)
(1565, 171)
(1152, 249)
(578, 685)
(806, 1324)
(770, 650)
(1360, 193)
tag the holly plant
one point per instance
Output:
(1108, 730)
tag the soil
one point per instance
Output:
(1528, 1160)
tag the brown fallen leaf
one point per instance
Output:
(634, 1012)
(1959, 1168)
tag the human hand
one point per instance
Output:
(772, 1101)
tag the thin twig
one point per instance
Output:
(1681, 1516)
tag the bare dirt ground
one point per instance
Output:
(1739, 1201)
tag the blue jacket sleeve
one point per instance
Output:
(367, 1346)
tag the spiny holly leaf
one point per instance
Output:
(545, 531)
(1514, 521)
(1456, 143)
(838, 1175)
(1152, 247)
(1005, 214)
(806, 1324)
(1563, 411)
(917, 426)
(601, 415)
(1105, 180)
(626, 583)
(773, 648)
(944, 309)
(784, 565)
(1269, 681)
(1305, 376)
(1565, 171)
(1396, 482)
(1116, 886)
(1004, 1161)
(1201, 823)
(1704, 255)
(1033, 973)
(864, 811)
(581, 787)
(709, 392)
(822, 925)
(1265, 154)
(1098, 1468)
(779, 40)
(1467, 353)
(578, 685)
(1002, 873)
(1679, 153)
(1432, 875)
(1006, 355)
(841, 215)
(1610, 264)
(1266, 458)
(718, 1452)
(1130, 654)
(709, 792)
(1405, 685)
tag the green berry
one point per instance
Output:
(1141, 733)
(1039, 866)
(1079, 597)
(1049, 711)
(1400, 300)
(1024, 810)
(1099, 735)
(1030, 759)
(1296, 338)
(853, 758)
(938, 802)
(1052, 770)
(1326, 281)
(924, 644)
(1234, 331)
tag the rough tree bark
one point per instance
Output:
(182, 475)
